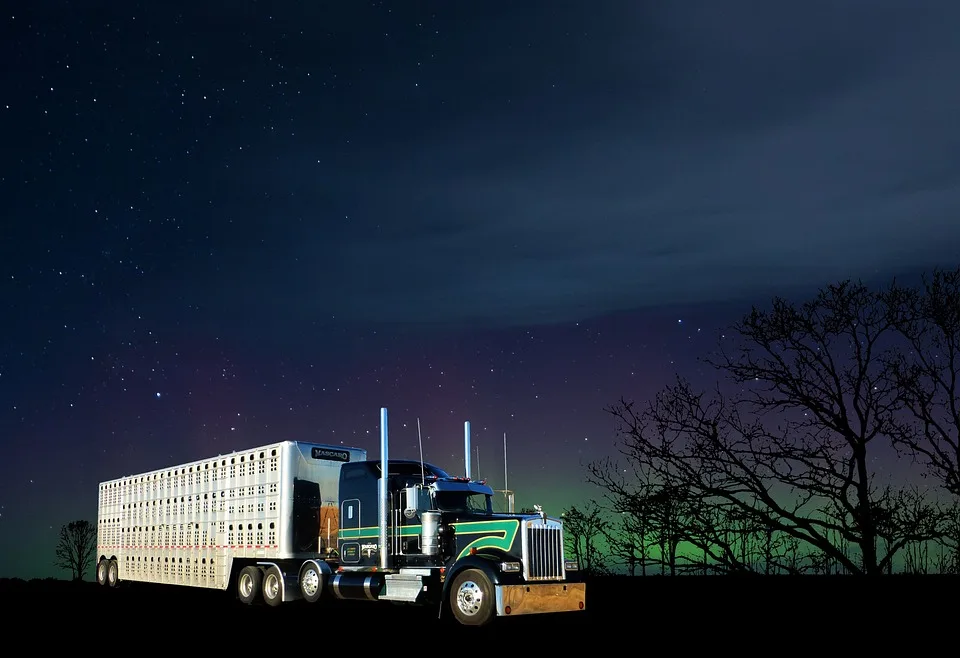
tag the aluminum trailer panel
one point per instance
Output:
(187, 524)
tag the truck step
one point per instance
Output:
(402, 587)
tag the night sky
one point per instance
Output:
(231, 223)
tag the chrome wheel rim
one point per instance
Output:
(246, 586)
(271, 586)
(310, 582)
(469, 598)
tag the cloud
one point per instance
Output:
(720, 151)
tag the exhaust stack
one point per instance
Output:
(466, 449)
(384, 511)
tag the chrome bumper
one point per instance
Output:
(537, 598)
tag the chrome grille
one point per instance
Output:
(543, 552)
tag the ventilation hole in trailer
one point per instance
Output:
(273, 453)
(261, 455)
(271, 525)
(233, 460)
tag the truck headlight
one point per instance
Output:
(571, 565)
(510, 567)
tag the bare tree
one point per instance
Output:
(948, 559)
(787, 444)
(76, 548)
(791, 555)
(583, 531)
(624, 549)
(670, 507)
(627, 499)
(928, 374)
(727, 538)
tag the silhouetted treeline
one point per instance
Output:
(799, 459)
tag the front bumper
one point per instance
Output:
(540, 597)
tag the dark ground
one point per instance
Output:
(748, 614)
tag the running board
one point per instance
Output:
(404, 587)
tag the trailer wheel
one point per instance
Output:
(273, 586)
(311, 582)
(102, 567)
(471, 598)
(113, 573)
(249, 584)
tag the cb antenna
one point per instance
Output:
(505, 487)
(423, 476)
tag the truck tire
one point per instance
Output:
(102, 566)
(249, 584)
(472, 599)
(113, 573)
(311, 582)
(272, 586)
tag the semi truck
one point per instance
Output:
(298, 521)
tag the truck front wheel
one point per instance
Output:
(471, 598)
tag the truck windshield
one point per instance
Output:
(461, 501)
